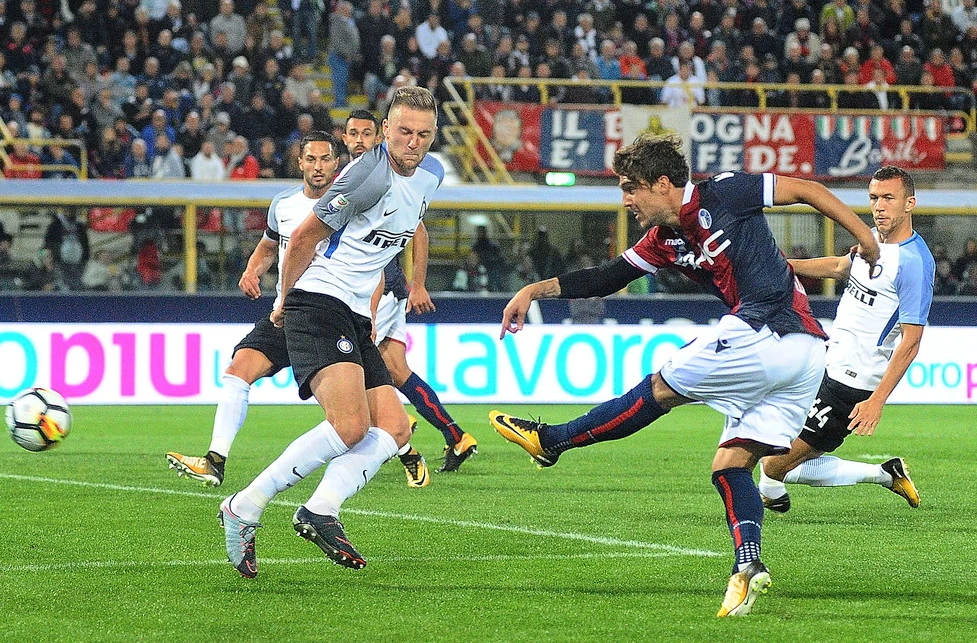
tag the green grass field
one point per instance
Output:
(622, 541)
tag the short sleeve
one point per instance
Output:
(359, 187)
(914, 286)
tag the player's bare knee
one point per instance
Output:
(352, 428)
(399, 429)
(774, 467)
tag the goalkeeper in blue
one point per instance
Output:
(875, 338)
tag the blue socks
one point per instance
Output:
(611, 420)
(744, 512)
(426, 401)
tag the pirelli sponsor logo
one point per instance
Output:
(384, 239)
(861, 292)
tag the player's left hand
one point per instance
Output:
(865, 417)
(277, 317)
(419, 301)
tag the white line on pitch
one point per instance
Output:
(873, 456)
(131, 564)
(599, 540)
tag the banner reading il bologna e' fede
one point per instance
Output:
(817, 146)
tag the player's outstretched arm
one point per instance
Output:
(298, 256)
(258, 264)
(823, 267)
(514, 315)
(866, 415)
(419, 300)
(789, 190)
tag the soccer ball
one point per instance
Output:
(38, 419)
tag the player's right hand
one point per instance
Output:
(871, 254)
(514, 315)
(277, 317)
(250, 285)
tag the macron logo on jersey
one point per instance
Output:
(384, 239)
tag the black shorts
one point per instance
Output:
(321, 331)
(269, 341)
(827, 423)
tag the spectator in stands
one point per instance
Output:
(156, 127)
(967, 262)
(13, 112)
(864, 34)
(149, 265)
(962, 77)
(21, 162)
(138, 164)
(641, 32)
(240, 163)
(107, 159)
(167, 159)
(220, 134)
(45, 275)
(907, 37)
(344, 49)
(56, 155)
(490, 255)
(945, 283)
(66, 238)
(429, 35)
(57, 83)
(207, 165)
(937, 27)
(477, 60)
(231, 24)
(586, 35)
(191, 136)
(269, 161)
(582, 91)
(104, 109)
(299, 83)
(260, 23)
(319, 111)
(927, 101)
(795, 62)
(968, 285)
(242, 80)
(547, 260)
(682, 89)
(533, 31)
(840, 12)
(942, 73)
(609, 67)
(908, 69)
(258, 119)
(138, 108)
(527, 93)
(288, 115)
(102, 273)
(876, 60)
(498, 92)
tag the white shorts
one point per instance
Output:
(391, 319)
(763, 383)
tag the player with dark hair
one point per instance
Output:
(333, 263)
(396, 300)
(759, 366)
(875, 338)
(262, 353)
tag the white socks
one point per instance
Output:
(350, 472)
(231, 411)
(770, 488)
(404, 450)
(303, 456)
(831, 471)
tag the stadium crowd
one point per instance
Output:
(224, 89)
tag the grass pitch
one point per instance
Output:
(619, 542)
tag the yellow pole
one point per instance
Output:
(190, 247)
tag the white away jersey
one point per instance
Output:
(374, 212)
(288, 209)
(867, 326)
